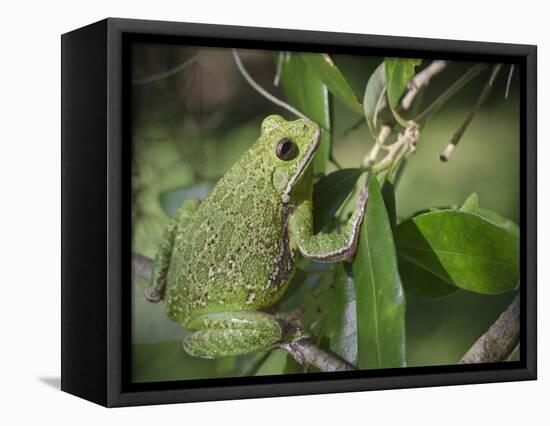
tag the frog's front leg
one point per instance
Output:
(155, 291)
(232, 333)
(327, 247)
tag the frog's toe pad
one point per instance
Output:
(152, 294)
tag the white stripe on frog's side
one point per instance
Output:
(349, 249)
(302, 165)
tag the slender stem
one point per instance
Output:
(280, 60)
(262, 91)
(165, 74)
(509, 81)
(450, 92)
(420, 80)
(446, 154)
(395, 153)
(372, 155)
(417, 83)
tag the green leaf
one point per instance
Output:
(374, 91)
(386, 181)
(471, 204)
(380, 301)
(322, 66)
(306, 92)
(330, 192)
(463, 249)
(172, 199)
(415, 280)
(497, 219)
(421, 282)
(398, 73)
(340, 331)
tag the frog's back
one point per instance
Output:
(234, 253)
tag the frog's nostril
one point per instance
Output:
(305, 128)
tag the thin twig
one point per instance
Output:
(446, 154)
(449, 93)
(371, 156)
(405, 142)
(509, 81)
(262, 91)
(415, 86)
(305, 352)
(499, 340)
(420, 80)
(280, 60)
(165, 74)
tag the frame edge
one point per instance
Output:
(83, 219)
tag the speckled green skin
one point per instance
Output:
(222, 263)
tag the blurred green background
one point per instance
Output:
(193, 115)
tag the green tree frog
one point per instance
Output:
(224, 262)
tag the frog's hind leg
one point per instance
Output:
(232, 333)
(155, 291)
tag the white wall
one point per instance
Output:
(30, 194)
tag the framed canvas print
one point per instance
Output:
(251, 212)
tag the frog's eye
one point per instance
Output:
(286, 149)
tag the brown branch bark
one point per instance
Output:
(499, 340)
(305, 352)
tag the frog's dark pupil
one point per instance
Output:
(286, 149)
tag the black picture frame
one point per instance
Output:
(96, 258)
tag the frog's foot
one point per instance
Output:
(152, 294)
(232, 333)
(295, 332)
